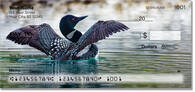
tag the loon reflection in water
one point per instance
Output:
(46, 66)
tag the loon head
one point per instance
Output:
(67, 24)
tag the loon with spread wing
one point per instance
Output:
(45, 39)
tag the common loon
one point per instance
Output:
(45, 39)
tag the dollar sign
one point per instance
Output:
(145, 35)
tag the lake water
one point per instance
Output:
(116, 58)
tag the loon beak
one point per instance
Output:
(81, 18)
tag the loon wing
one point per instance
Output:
(99, 31)
(41, 37)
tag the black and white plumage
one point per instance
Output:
(44, 38)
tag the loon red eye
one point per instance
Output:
(73, 19)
